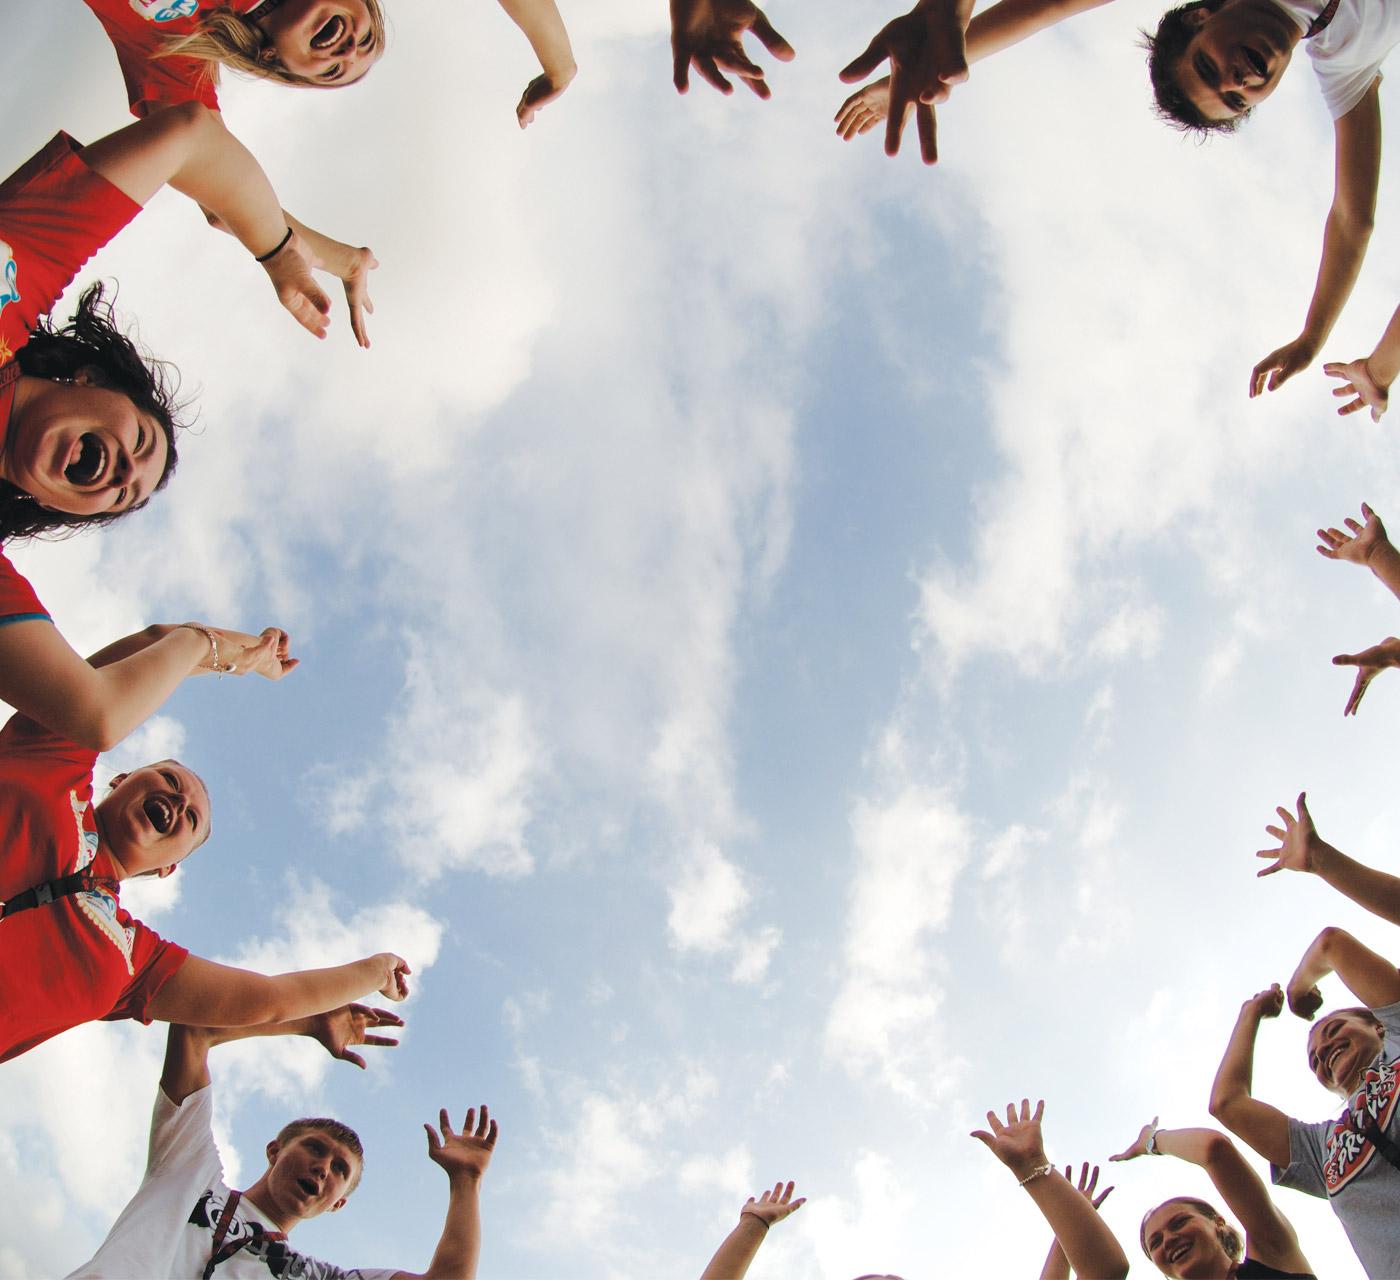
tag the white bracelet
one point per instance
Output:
(1038, 1172)
(208, 634)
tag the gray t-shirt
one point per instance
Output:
(1333, 1159)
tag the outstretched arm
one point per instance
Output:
(710, 34)
(738, 1248)
(464, 1157)
(1365, 544)
(1302, 849)
(1083, 1235)
(1272, 1239)
(1263, 1127)
(187, 1048)
(544, 29)
(188, 148)
(98, 702)
(989, 32)
(1369, 976)
(1348, 232)
(1056, 1261)
(1365, 383)
(206, 994)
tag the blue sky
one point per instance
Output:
(798, 649)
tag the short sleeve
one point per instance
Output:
(1389, 1016)
(1343, 92)
(154, 961)
(182, 1137)
(1305, 1146)
(18, 602)
(155, 83)
(55, 213)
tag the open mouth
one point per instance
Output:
(1330, 1063)
(159, 813)
(309, 1188)
(329, 35)
(90, 464)
(1177, 1252)
(1256, 62)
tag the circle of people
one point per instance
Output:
(89, 428)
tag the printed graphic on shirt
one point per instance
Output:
(253, 1240)
(9, 276)
(1348, 1151)
(165, 10)
(98, 904)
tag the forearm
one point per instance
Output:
(1377, 891)
(187, 1052)
(1384, 560)
(460, 1244)
(1088, 1244)
(1234, 1080)
(1196, 1146)
(204, 994)
(1344, 246)
(1012, 21)
(1056, 1264)
(542, 26)
(737, 1251)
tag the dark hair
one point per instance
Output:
(91, 343)
(1227, 1235)
(1164, 53)
(342, 1133)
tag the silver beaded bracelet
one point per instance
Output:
(227, 669)
(1038, 1172)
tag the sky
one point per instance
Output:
(798, 648)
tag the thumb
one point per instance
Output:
(1347, 660)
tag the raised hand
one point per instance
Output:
(1358, 545)
(864, 109)
(267, 654)
(773, 1206)
(465, 1154)
(927, 52)
(1358, 381)
(1304, 998)
(540, 92)
(356, 282)
(1369, 663)
(1299, 845)
(710, 34)
(289, 269)
(395, 971)
(1138, 1147)
(1278, 366)
(1265, 1004)
(1017, 1143)
(349, 1025)
(1088, 1183)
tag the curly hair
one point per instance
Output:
(92, 344)
(1164, 54)
(228, 39)
(335, 1129)
(1229, 1238)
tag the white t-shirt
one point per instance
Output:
(167, 1228)
(1348, 52)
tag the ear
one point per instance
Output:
(1197, 18)
(338, 1205)
(274, 1149)
(167, 871)
(88, 376)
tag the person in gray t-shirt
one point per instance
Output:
(1354, 1053)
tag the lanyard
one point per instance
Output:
(222, 1252)
(40, 895)
(1319, 23)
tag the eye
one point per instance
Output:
(171, 779)
(1235, 102)
(331, 73)
(120, 501)
(140, 438)
(368, 42)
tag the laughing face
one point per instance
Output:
(330, 42)
(154, 818)
(1340, 1048)
(1236, 57)
(81, 448)
(1183, 1242)
(307, 1175)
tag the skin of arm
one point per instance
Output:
(1271, 1237)
(98, 702)
(738, 1249)
(1347, 234)
(186, 1069)
(1370, 977)
(188, 148)
(1367, 381)
(1263, 1127)
(1085, 1238)
(540, 23)
(1302, 849)
(1056, 1261)
(1365, 544)
(464, 1157)
(215, 995)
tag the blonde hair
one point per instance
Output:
(228, 39)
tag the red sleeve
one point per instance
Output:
(55, 213)
(18, 603)
(154, 962)
(153, 83)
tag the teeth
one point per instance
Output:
(329, 34)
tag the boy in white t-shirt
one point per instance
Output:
(185, 1223)
(1211, 61)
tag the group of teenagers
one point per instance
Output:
(89, 428)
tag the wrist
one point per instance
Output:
(560, 73)
(1032, 1173)
(750, 1217)
(1382, 368)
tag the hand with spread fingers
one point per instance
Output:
(927, 53)
(864, 110)
(1359, 543)
(739, 1248)
(467, 1154)
(1017, 1143)
(1300, 847)
(710, 35)
(1359, 382)
(773, 1206)
(349, 1025)
(1369, 663)
(289, 269)
(1138, 1146)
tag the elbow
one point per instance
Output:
(1218, 1147)
(1119, 1269)
(95, 728)
(1220, 1106)
(1329, 939)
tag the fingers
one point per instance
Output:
(1303, 814)
(928, 132)
(863, 66)
(1358, 691)
(1102, 1196)
(354, 1059)
(709, 72)
(770, 39)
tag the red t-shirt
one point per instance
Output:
(18, 603)
(79, 957)
(138, 29)
(55, 213)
